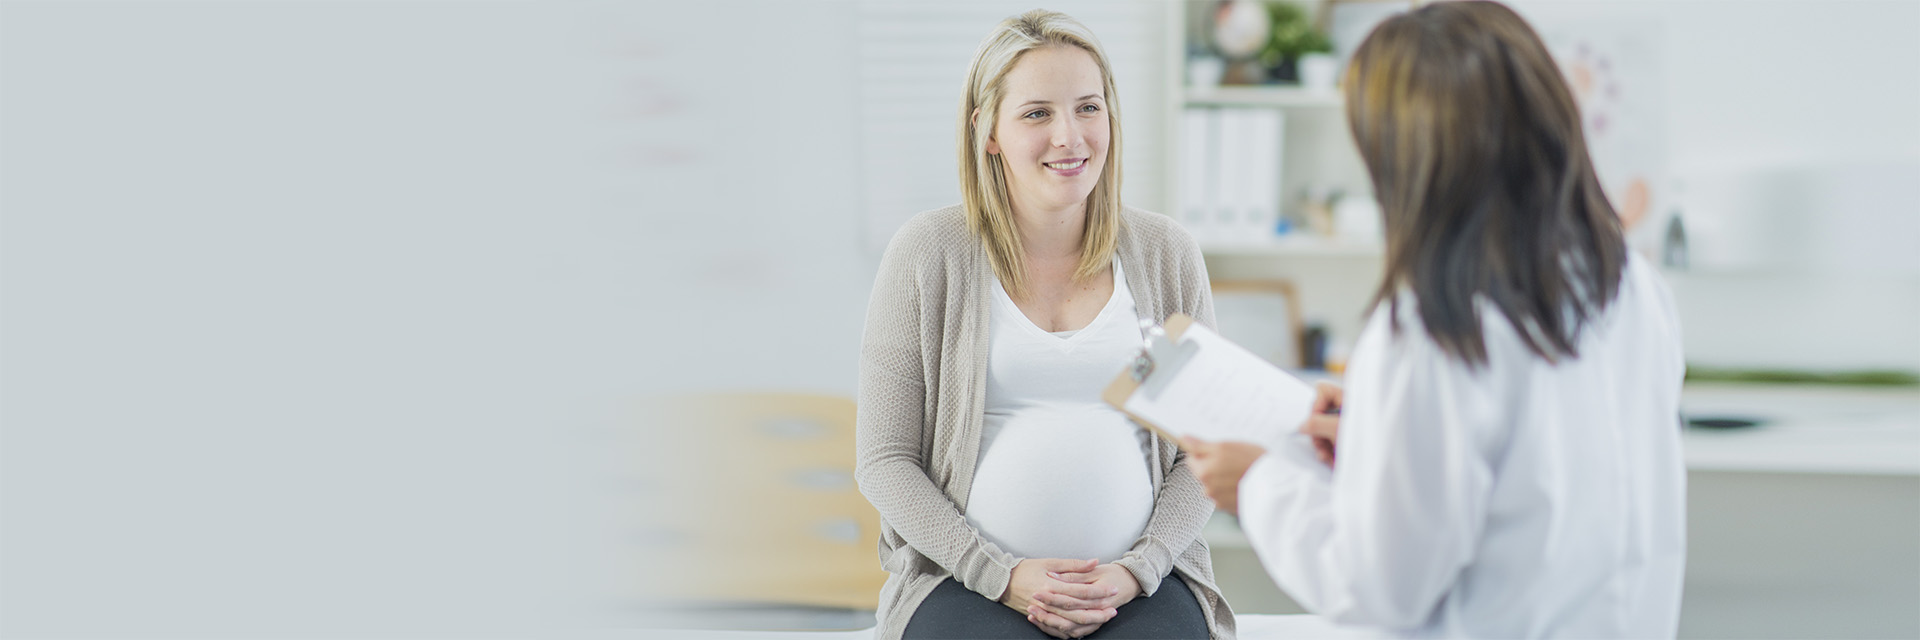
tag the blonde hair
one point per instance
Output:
(983, 179)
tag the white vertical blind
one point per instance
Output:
(913, 62)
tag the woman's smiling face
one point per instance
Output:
(1052, 129)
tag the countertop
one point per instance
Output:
(1805, 428)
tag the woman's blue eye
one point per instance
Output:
(1089, 108)
(1041, 113)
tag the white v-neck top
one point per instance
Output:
(1060, 473)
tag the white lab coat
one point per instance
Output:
(1525, 499)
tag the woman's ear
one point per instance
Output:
(993, 146)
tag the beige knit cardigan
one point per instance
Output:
(923, 368)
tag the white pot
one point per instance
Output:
(1204, 72)
(1319, 71)
(1357, 218)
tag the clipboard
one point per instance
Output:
(1188, 380)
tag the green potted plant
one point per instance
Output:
(1292, 36)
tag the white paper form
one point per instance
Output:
(1225, 392)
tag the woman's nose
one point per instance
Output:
(1068, 133)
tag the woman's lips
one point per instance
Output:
(1068, 168)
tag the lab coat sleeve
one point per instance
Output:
(1379, 540)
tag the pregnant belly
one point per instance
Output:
(1063, 484)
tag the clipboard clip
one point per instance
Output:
(1160, 355)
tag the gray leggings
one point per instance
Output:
(953, 611)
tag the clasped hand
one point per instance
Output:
(1069, 598)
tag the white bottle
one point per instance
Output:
(1357, 218)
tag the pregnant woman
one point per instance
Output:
(1014, 503)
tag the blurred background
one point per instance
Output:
(496, 318)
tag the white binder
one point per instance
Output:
(1197, 183)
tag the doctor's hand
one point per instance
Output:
(1323, 422)
(1219, 466)
(1031, 583)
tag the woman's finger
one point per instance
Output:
(1081, 591)
(1078, 577)
(1053, 625)
(1083, 616)
(1323, 449)
(1320, 425)
(1047, 628)
(1326, 397)
(1057, 601)
(1061, 565)
(1060, 627)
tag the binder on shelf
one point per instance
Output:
(1230, 164)
(1189, 381)
(1196, 176)
(1267, 130)
(1230, 153)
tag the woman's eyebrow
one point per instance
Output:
(1089, 96)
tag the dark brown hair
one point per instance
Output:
(1474, 145)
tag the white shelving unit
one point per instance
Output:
(1276, 96)
(1317, 150)
(1297, 244)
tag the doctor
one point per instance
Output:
(1505, 461)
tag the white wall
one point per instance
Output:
(294, 298)
(1763, 96)
(741, 185)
